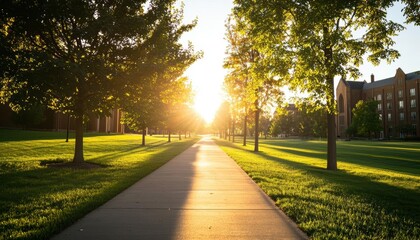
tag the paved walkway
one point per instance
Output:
(200, 194)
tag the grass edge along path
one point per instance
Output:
(352, 203)
(37, 202)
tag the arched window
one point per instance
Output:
(341, 104)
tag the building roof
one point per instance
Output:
(355, 84)
(381, 83)
(413, 75)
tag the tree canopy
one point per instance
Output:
(366, 119)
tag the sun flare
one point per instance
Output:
(206, 104)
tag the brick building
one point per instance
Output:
(398, 103)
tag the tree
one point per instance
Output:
(167, 60)
(265, 124)
(250, 81)
(222, 119)
(145, 105)
(282, 123)
(176, 100)
(237, 81)
(365, 119)
(30, 116)
(311, 117)
(300, 119)
(78, 57)
(142, 112)
(315, 40)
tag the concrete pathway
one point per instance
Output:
(200, 194)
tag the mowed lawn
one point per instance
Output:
(37, 201)
(375, 194)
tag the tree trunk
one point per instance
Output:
(143, 138)
(233, 131)
(78, 148)
(179, 135)
(331, 152)
(257, 133)
(169, 135)
(245, 126)
(332, 135)
(68, 128)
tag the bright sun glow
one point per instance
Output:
(206, 105)
(207, 90)
(207, 74)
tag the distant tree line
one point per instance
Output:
(303, 120)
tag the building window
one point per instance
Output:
(389, 96)
(379, 106)
(413, 116)
(412, 92)
(401, 116)
(389, 106)
(389, 116)
(379, 97)
(341, 104)
(413, 103)
(401, 104)
(380, 116)
(400, 93)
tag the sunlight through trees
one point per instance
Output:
(87, 57)
(309, 43)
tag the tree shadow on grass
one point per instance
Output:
(394, 199)
(13, 135)
(396, 162)
(129, 147)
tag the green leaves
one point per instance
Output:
(316, 40)
(412, 11)
(79, 54)
(366, 118)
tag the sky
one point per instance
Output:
(207, 74)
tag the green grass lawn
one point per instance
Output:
(37, 201)
(374, 195)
